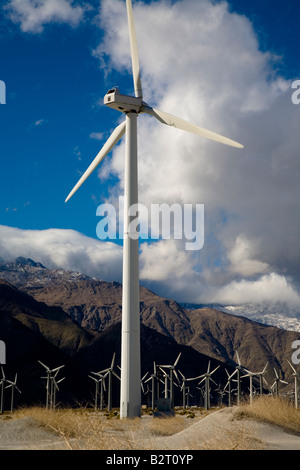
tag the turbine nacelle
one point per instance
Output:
(124, 103)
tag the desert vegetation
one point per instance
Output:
(85, 429)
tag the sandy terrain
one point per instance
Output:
(220, 430)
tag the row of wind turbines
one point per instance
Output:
(161, 383)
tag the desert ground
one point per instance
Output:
(220, 429)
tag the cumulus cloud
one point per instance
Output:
(203, 63)
(269, 288)
(33, 15)
(67, 249)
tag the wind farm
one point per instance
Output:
(134, 343)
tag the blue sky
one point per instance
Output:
(58, 59)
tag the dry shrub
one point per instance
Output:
(167, 426)
(273, 410)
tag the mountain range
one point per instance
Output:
(62, 317)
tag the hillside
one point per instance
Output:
(95, 305)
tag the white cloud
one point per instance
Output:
(33, 15)
(241, 258)
(269, 288)
(40, 122)
(65, 249)
(204, 64)
(96, 135)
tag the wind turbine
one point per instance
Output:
(100, 381)
(238, 371)
(54, 384)
(132, 106)
(250, 375)
(207, 378)
(109, 372)
(13, 385)
(49, 382)
(172, 372)
(2, 383)
(184, 387)
(153, 377)
(295, 374)
(276, 383)
(262, 379)
(228, 383)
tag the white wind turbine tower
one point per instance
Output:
(206, 379)
(295, 374)
(184, 387)
(109, 372)
(250, 375)
(154, 378)
(172, 372)
(100, 381)
(13, 385)
(276, 383)
(238, 371)
(49, 383)
(2, 383)
(132, 106)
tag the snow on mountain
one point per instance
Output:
(278, 314)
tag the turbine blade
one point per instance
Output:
(113, 361)
(176, 362)
(44, 365)
(134, 52)
(176, 375)
(214, 370)
(179, 123)
(107, 147)
(145, 376)
(292, 367)
(265, 368)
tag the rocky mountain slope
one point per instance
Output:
(33, 331)
(95, 306)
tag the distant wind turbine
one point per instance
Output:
(172, 372)
(276, 383)
(184, 387)
(206, 379)
(50, 383)
(13, 386)
(2, 383)
(132, 106)
(238, 370)
(295, 374)
(109, 371)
